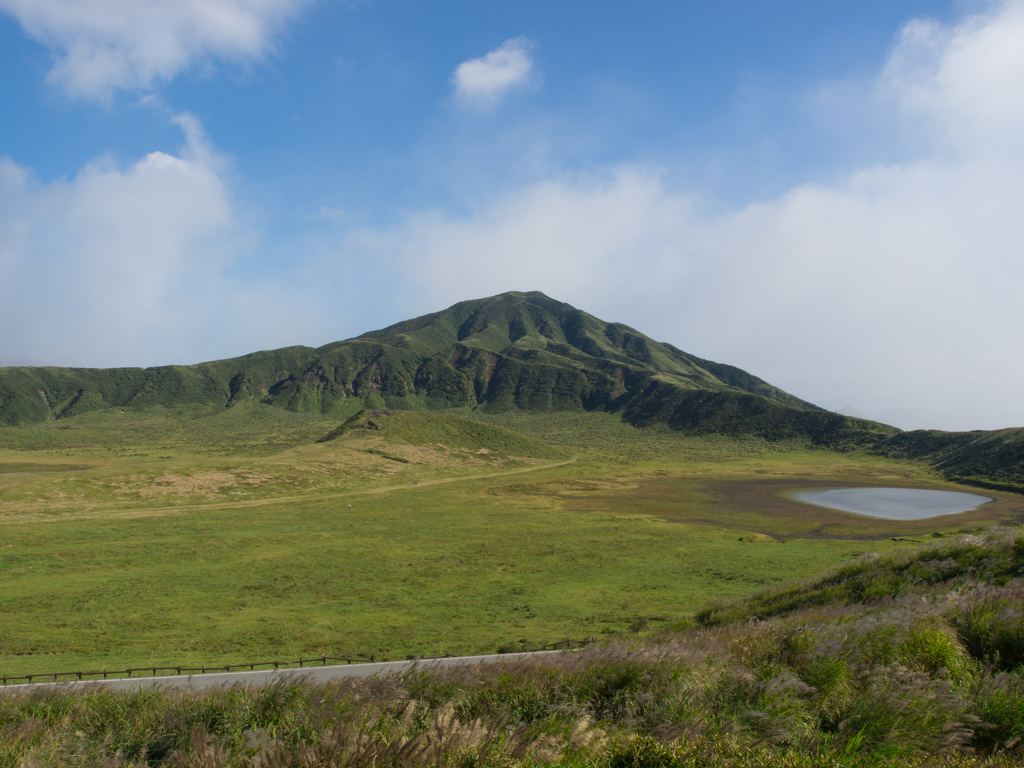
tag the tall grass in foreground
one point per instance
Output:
(929, 671)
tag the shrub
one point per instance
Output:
(990, 622)
(935, 649)
(900, 712)
(998, 701)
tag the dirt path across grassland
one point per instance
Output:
(188, 508)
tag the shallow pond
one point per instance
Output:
(893, 503)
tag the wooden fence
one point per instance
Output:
(113, 674)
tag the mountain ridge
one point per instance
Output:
(516, 350)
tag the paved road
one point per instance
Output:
(262, 677)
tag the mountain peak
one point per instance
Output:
(515, 350)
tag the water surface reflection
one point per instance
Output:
(893, 503)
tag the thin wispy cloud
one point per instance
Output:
(486, 81)
(101, 46)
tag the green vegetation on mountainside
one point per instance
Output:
(516, 351)
(445, 430)
(989, 459)
(707, 412)
(247, 429)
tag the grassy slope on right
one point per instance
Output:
(988, 459)
(961, 563)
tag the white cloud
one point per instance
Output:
(486, 81)
(965, 83)
(128, 266)
(105, 45)
(894, 288)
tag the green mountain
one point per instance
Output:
(513, 351)
(992, 459)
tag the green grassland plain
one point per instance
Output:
(213, 536)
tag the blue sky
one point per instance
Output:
(824, 194)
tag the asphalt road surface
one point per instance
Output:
(262, 677)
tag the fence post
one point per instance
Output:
(324, 660)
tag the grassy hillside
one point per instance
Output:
(706, 412)
(960, 564)
(445, 430)
(248, 429)
(34, 395)
(929, 673)
(989, 459)
(516, 351)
